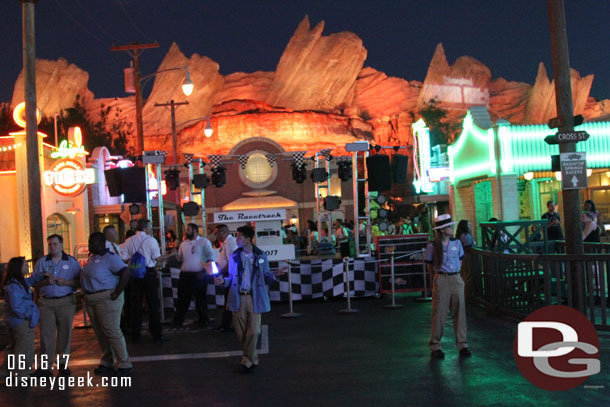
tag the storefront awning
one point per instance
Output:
(263, 202)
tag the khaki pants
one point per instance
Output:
(448, 295)
(105, 317)
(247, 326)
(22, 343)
(56, 316)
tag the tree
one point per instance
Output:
(441, 131)
(100, 133)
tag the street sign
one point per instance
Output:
(571, 136)
(556, 122)
(551, 139)
(573, 170)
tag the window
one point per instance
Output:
(57, 224)
(258, 173)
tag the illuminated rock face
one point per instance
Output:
(319, 96)
(317, 72)
(57, 84)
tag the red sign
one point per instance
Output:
(69, 177)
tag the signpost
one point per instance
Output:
(573, 170)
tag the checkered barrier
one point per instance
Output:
(311, 279)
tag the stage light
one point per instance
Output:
(380, 199)
(382, 213)
(190, 209)
(345, 170)
(172, 179)
(332, 203)
(319, 175)
(201, 181)
(299, 174)
(219, 177)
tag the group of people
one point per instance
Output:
(107, 282)
(592, 228)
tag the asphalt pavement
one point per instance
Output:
(374, 357)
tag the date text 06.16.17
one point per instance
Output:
(18, 362)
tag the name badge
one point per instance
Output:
(261, 261)
(65, 267)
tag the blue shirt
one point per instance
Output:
(19, 302)
(467, 240)
(101, 272)
(452, 256)
(67, 268)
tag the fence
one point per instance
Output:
(518, 284)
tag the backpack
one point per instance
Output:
(137, 264)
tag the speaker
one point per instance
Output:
(113, 180)
(133, 181)
(379, 170)
(332, 203)
(399, 168)
(190, 209)
(319, 175)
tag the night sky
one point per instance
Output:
(510, 37)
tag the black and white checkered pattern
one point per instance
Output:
(188, 158)
(243, 160)
(310, 279)
(215, 160)
(270, 159)
(326, 153)
(298, 157)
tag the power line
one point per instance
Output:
(77, 23)
(131, 21)
(94, 21)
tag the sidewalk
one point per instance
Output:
(376, 357)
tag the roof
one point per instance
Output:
(263, 202)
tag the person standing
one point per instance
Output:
(111, 238)
(21, 315)
(56, 303)
(443, 257)
(147, 287)
(228, 247)
(103, 280)
(192, 252)
(590, 233)
(248, 295)
(554, 231)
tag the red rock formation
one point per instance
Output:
(168, 86)
(317, 72)
(379, 95)
(57, 84)
(245, 86)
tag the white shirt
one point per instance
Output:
(227, 249)
(146, 245)
(194, 252)
(114, 248)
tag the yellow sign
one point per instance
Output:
(71, 149)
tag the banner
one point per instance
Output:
(249, 216)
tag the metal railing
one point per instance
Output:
(518, 284)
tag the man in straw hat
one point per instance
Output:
(443, 257)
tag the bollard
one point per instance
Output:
(393, 305)
(349, 309)
(290, 314)
(425, 298)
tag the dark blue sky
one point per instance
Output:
(510, 37)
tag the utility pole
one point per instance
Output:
(172, 106)
(135, 50)
(32, 154)
(565, 115)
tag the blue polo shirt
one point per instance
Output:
(101, 272)
(67, 268)
(453, 254)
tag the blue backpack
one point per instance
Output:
(137, 264)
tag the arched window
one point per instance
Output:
(57, 224)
